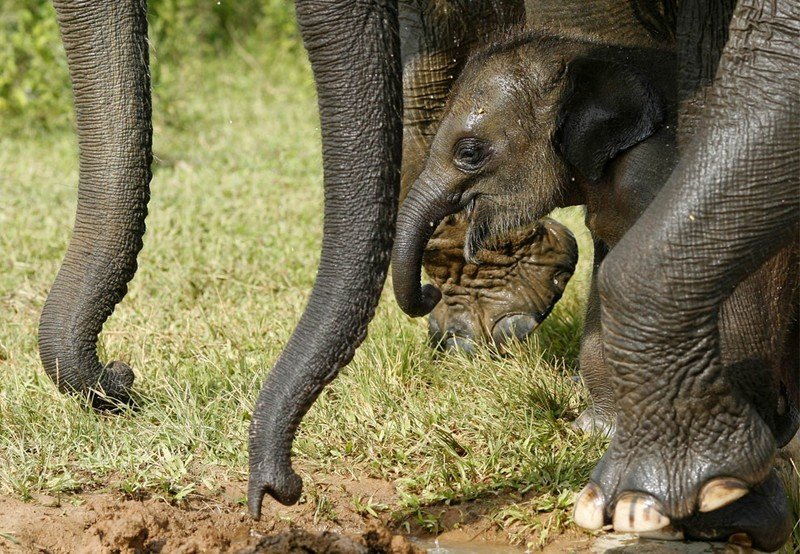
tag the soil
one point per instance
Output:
(105, 523)
(109, 523)
(327, 520)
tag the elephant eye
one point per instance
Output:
(471, 154)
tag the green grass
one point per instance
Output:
(230, 256)
(790, 473)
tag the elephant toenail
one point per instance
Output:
(721, 492)
(741, 539)
(589, 508)
(638, 513)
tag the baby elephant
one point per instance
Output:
(532, 124)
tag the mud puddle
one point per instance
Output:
(326, 520)
(436, 546)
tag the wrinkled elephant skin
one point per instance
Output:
(515, 287)
(705, 384)
(497, 293)
(437, 37)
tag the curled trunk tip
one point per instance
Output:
(419, 216)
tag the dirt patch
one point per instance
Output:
(335, 515)
(104, 523)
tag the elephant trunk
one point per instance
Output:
(355, 55)
(106, 46)
(422, 211)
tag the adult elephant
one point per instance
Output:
(696, 436)
(354, 49)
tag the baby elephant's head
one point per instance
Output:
(523, 120)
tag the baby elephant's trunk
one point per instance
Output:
(419, 216)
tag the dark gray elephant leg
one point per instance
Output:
(612, 208)
(688, 447)
(106, 45)
(758, 329)
(355, 54)
(600, 416)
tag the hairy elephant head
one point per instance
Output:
(525, 121)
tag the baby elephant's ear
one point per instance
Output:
(608, 107)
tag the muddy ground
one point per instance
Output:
(327, 520)
(109, 523)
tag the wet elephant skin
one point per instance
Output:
(539, 104)
(436, 38)
(695, 441)
(711, 266)
(517, 284)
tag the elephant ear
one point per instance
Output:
(608, 108)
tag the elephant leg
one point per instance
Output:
(106, 46)
(690, 452)
(517, 284)
(600, 415)
(611, 209)
(758, 328)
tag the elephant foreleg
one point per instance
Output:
(690, 450)
(600, 416)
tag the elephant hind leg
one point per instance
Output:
(107, 53)
(759, 342)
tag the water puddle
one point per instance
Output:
(435, 546)
(630, 544)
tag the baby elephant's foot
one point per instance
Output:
(504, 297)
(696, 486)
(593, 421)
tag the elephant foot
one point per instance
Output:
(596, 422)
(507, 295)
(712, 483)
(758, 517)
